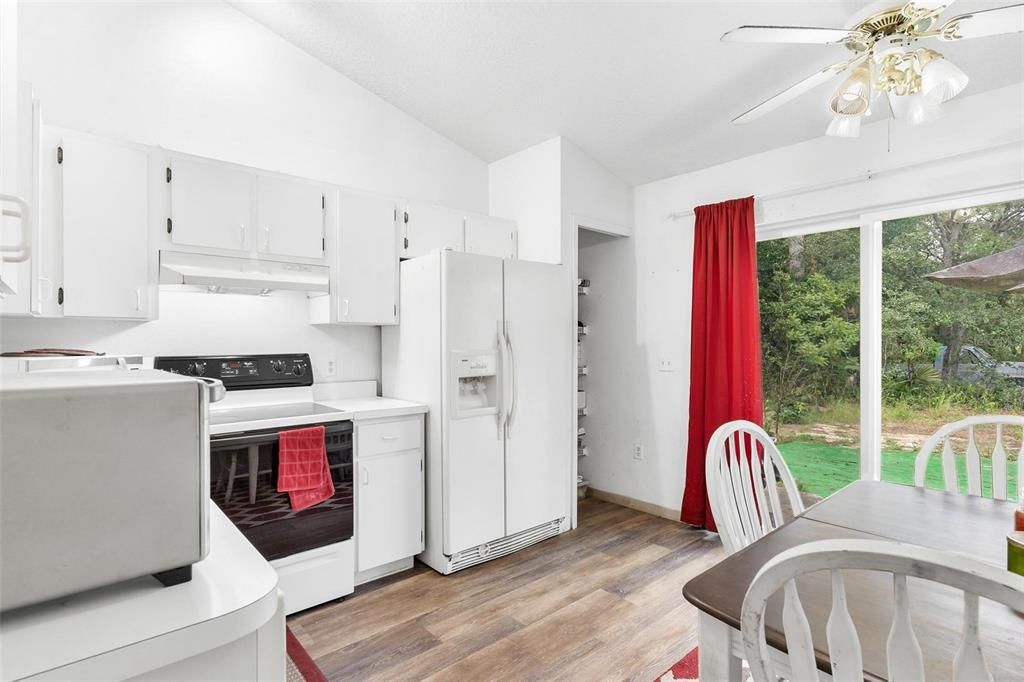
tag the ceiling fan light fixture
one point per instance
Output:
(844, 126)
(853, 97)
(942, 80)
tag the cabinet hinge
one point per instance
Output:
(323, 244)
(168, 174)
(395, 309)
(405, 243)
(60, 296)
(395, 214)
(323, 201)
(405, 217)
(169, 226)
(60, 155)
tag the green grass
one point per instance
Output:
(822, 469)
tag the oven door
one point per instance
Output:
(243, 473)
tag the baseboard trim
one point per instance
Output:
(639, 505)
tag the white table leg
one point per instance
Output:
(716, 660)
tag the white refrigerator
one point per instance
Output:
(487, 343)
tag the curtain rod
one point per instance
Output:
(861, 177)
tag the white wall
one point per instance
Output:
(645, 281)
(203, 78)
(214, 324)
(526, 187)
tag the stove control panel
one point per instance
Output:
(243, 371)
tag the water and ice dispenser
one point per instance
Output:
(475, 375)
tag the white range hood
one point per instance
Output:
(241, 275)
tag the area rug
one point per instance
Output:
(686, 669)
(300, 665)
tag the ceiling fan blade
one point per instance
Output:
(797, 89)
(989, 22)
(793, 34)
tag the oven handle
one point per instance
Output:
(236, 440)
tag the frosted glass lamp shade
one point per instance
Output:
(915, 109)
(844, 126)
(941, 80)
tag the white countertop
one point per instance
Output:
(374, 407)
(126, 629)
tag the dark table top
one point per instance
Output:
(872, 510)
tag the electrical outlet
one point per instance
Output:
(638, 451)
(330, 365)
(666, 365)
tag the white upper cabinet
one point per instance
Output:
(104, 225)
(289, 217)
(427, 228)
(489, 236)
(211, 204)
(10, 226)
(367, 260)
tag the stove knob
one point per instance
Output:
(299, 370)
(195, 369)
(277, 366)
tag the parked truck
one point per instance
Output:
(974, 362)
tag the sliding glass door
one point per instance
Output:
(952, 332)
(810, 339)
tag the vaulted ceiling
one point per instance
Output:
(647, 89)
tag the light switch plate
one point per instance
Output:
(666, 365)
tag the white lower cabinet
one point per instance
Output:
(389, 492)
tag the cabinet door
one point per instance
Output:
(289, 218)
(389, 521)
(367, 260)
(104, 223)
(432, 227)
(211, 204)
(10, 227)
(489, 236)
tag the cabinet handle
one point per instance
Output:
(266, 239)
(389, 437)
(241, 234)
(366, 476)
(345, 301)
(138, 300)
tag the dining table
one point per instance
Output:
(966, 524)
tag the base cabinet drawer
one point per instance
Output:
(394, 436)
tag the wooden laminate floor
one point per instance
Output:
(601, 602)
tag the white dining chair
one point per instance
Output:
(903, 652)
(972, 456)
(742, 491)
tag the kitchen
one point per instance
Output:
(285, 288)
(360, 340)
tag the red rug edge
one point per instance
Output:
(686, 668)
(301, 658)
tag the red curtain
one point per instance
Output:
(725, 346)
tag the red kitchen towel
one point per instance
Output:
(302, 470)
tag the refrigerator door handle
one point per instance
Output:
(515, 381)
(501, 381)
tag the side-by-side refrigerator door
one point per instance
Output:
(539, 442)
(474, 455)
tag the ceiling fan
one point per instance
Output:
(886, 59)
